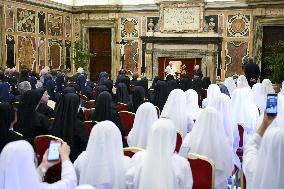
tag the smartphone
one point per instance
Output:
(53, 150)
(183, 151)
(271, 105)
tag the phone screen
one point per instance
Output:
(184, 150)
(53, 150)
(271, 105)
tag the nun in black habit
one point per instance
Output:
(68, 127)
(106, 110)
(31, 123)
(122, 94)
(184, 83)
(172, 84)
(138, 98)
(160, 95)
(7, 116)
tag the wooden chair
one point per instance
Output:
(130, 151)
(15, 105)
(127, 118)
(203, 171)
(158, 111)
(41, 144)
(121, 106)
(178, 141)
(240, 151)
(87, 114)
(90, 104)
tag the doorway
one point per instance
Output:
(100, 46)
(271, 34)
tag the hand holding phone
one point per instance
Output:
(53, 151)
(271, 105)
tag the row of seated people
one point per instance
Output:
(105, 149)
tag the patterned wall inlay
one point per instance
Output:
(68, 26)
(9, 14)
(10, 51)
(221, 24)
(41, 53)
(77, 28)
(55, 53)
(235, 53)
(238, 25)
(26, 52)
(129, 27)
(41, 23)
(212, 19)
(55, 23)
(26, 20)
(155, 21)
(131, 55)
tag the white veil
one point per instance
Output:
(269, 167)
(242, 82)
(192, 106)
(208, 138)
(230, 84)
(268, 87)
(259, 97)
(157, 167)
(103, 162)
(17, 167)
(175, 109)
(212, 92)
(145, 116)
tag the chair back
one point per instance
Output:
(90, 104)
(89, 126)
(203, 171)
(130, 151)
(121, 106)
(241, 143)
(41, 144)
(87, 114)
(179, 141)
(127, 118)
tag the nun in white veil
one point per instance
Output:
(103, 164)
(175, 109)
(268, 87)
(264, 160)
(230, 84)
(208, 138)
(145, 116)
(242, 82)
(213, 90)
(222, 103)
(192, 106)
(244, 111)
(158, 167)
(18, 170)
(259, 97)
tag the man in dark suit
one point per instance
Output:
(251, 70)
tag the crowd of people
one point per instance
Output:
(208, 123)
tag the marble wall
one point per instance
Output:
(35, 37)
(48, 34)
